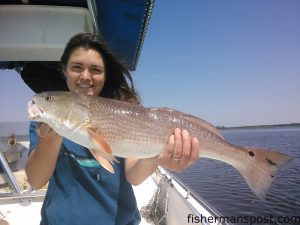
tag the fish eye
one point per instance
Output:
(49, 98)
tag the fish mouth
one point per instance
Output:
(34, 111)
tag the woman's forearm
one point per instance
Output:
(137, 170)
(42, 161)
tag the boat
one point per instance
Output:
(32, 39)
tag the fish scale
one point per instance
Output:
(132, 131)
(123, 129)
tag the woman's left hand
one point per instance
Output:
(181, 151)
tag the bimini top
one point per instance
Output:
(33, 35)
(123, 24)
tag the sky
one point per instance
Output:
(232, 63)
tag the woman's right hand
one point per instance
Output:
(42, 159)
(45, 131)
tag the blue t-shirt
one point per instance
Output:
(82, 192)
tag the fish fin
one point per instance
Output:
(107, 164)
(99, 140)
(103, 153)
(261, 168)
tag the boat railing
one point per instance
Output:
(190, 196)
(11, 150)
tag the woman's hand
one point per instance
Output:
(42, 160)
(44, 131)
(180, 152)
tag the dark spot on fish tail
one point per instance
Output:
(272, 176)
(271, 162)
(252, 154)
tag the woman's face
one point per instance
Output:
(85, 71)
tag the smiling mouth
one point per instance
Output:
(34, 111)
(85, 85)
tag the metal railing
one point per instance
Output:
(189, 194)
(16, 195)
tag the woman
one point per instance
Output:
(81, 191)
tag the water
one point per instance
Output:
(224, 188)
(16, 128)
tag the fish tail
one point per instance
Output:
(260, 168)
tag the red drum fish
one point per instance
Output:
(111, 128)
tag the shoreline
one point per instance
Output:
(259, 126)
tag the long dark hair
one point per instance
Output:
(117, 75)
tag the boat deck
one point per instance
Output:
(26, 210)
